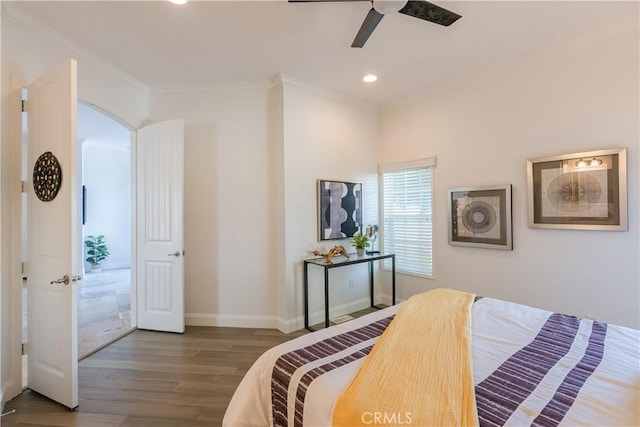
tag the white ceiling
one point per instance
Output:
(224, 42)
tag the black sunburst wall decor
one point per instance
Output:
(47, 177)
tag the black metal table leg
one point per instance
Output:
(393, 280)
(306, 295)
(371, 283)
(326, 297)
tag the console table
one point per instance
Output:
(340, 261)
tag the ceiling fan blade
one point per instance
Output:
(430, 12)
(370, 23)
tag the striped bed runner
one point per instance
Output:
(290, 362)
(498, 396)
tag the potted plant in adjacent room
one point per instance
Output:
(97, 251)
(360, 242)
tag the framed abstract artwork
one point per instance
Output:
(339, 209)
(480, 217)
(579, 191)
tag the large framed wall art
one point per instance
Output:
(339, 209)
(480, 217)
(580, 191)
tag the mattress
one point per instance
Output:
(530, 367)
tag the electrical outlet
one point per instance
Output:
(350, 283)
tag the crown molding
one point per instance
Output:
(285, 80)
(259, 85)
(13, 14)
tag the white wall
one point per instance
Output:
(578, 96)
(227, 201)
(107, 178)
(323, 137)
(252, 157)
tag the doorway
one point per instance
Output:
(104, 296)
(54, 234)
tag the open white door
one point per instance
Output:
(54, 253)
(160, 265)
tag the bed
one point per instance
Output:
(529, 367)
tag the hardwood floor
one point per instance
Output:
(104, 304)
(103, 309)
(155, 379)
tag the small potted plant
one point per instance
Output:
(97, 251)
(360, 242)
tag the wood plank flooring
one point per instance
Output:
(103, 309)
(155, 379)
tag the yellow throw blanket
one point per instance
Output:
(419, 372)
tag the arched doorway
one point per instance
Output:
(104, 296)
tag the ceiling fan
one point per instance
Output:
(418, 9)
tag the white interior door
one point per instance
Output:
(53, 244)
(160, 263)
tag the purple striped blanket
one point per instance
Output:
(531, 367)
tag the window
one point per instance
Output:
(406, 215)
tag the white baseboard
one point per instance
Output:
(290, 325)
(317, 317)
(116, 266)
(386, 299)
(231, 320)
(273, 322)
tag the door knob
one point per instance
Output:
(175, 254)
(65, 280)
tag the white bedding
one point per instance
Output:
(603, 360)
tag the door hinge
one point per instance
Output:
(24, 268)
(24, 105)
(24, 348)
(24, 186)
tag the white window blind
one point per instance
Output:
(406, 217)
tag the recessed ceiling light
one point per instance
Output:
(370, 78)
(178, 1)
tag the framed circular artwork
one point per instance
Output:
(481, 217)
(47, 177)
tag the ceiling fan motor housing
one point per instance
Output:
(388, 6)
